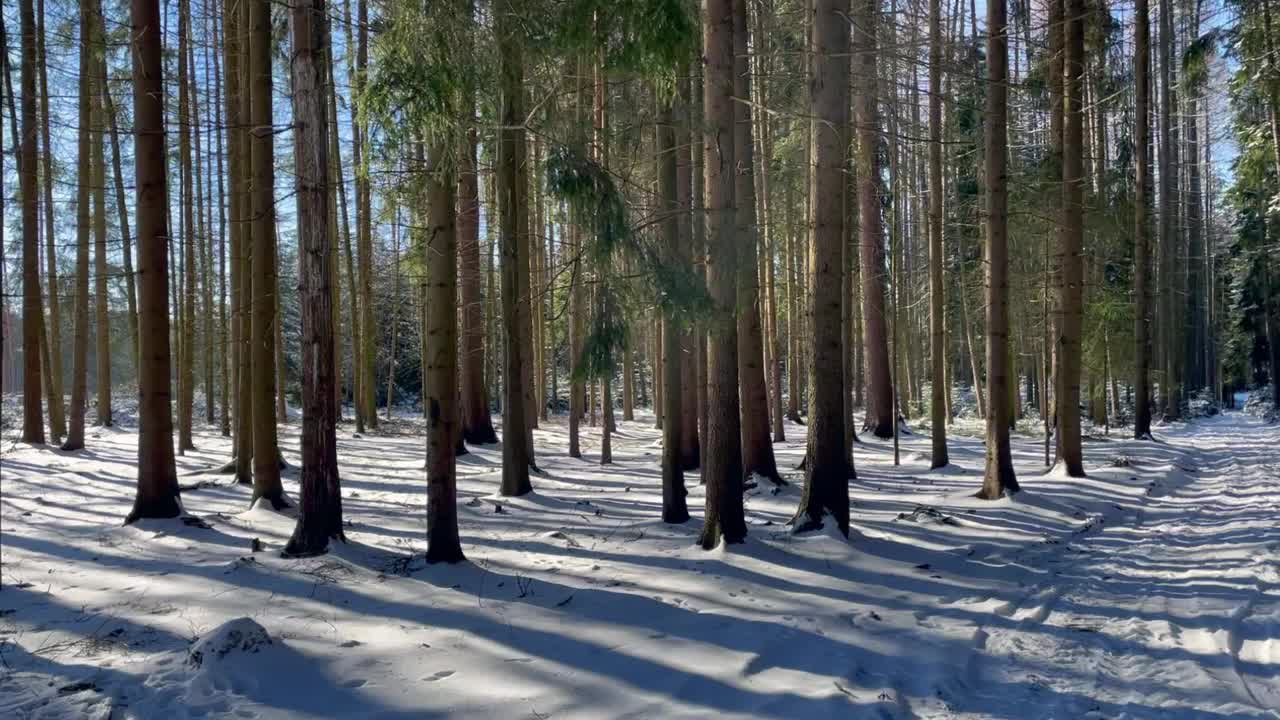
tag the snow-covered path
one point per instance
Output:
(1171, 610)
(1150, 589)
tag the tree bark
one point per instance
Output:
(186, 347)
(1142, 222)
(722, 461)
(32, 312)
(999, 477)
(320, 499)
(937, 291)
(1070, 290)
(52, 329)
(266, 468)
(826, 458)
(674, 507)
(84, 181)
(157, 492)
(879, 418)
(102, 317)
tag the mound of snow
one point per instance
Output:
(241, 635)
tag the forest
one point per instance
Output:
(640, 358)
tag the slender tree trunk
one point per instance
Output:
(53, 329)
(1142, 222)
(722, 461)
(477, 427)
(102, 316)
(879, 419)
(685, 150)
(240, 209)
(1070, 291)
(999, 477)
(826, 459)
(937, 291)
(186, 346)
(84, 182)
(320, 501)
(515, 450)
(157, 494)
(266, 468)
(32, 313)
(674, 507)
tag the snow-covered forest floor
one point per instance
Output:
(1149, 590)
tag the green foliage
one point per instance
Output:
(648, 37)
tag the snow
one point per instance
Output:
(1150, 589)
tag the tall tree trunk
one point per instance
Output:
(516, 457)
(320, 501)
(477, 427)
(1070, 290)
(239, 205)
(187, 344)
(266, 468)
(757, 448)
(1142, 222)
(364, 224)
(722, 460)
(32, 313)
(1169, 232)
(685, 149)
(999, 476)
(879, 419)
(826, 459)
(937, 292)
(226, 354)
(53, 329)
(84, 181)
(126, 242)
(157, 493)
(102, 316)
(674, 507)
(440, 376)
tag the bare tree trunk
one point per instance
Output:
(937, 291)
(722, 461)
(687, 350)
(826, 460)
(1070, 297)
(157, 494)
(266, 468)
(999, 476)
(879, 419)
(516, 457)
(186, 349)
(32, 313)
(53, 329)
(757, 448)
(674, 507)
(1142, 222)
(477, 427)
(102, 316)
(84, 181)
(320, 501)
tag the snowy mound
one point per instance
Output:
(241, 635)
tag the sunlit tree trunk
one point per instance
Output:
(52, 329)
(32, 312)
(84, 182)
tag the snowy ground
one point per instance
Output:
(1149, 590)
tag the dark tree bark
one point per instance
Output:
(53, 328)
(722, 459)
(826, 460)
(84, 219)
(477, 426)
(937, 292)
(1142, 222)
(32, 312)
(266, 467)
(999, 476)
(186, 347)
(101, 322)
(513, 233)
(157, 495)
(320, 499)
(757, 446)
(875, 337)
(686, 149)
(674, 507)
(440, 391)
(1070, 295)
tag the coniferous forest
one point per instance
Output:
(640, 358)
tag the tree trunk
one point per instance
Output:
(685, 149)
(32, 313)
(186, 347)
(1070, 290)
(266, 468)
(826, 459)
(320, 499)
(84, 181)
(477, 427)
(999, 476)
(879, 418)
(157, 494)
(674, 507)
(53, 329)
(937, 291)
(102, 316)
(1142, 223)
(722, 461)
(515, 450)
(240, 209)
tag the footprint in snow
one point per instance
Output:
(441, 675)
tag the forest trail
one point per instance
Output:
(1150, 589)
(1176, 604)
